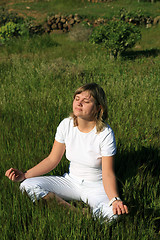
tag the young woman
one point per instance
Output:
(90, 147)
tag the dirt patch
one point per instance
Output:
(37, 17)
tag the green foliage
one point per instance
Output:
(10, 30)
(6, 16)
(116, 36)
(37, 81)
(136, 17)
(12, 25)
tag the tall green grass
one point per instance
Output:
(38, 77)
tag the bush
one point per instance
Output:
(116, 36)
(6, 17)
(135, 17)
(80, 32)
(10, 30)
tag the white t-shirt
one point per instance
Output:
(85, 150)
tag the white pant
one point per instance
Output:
(70, 188)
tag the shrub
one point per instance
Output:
(116, 36)
(10, 30)
(80, 32)
(6, 17)
(135, 17)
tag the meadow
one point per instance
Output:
(38, 77)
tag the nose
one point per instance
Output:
(79, 103)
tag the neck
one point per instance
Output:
(85, 126)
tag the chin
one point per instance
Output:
(77, 112)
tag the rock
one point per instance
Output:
(71, 21)
(65, 26)
(149, 25)
(70, 16)
(46, 27)
(63, 20)
(54, 26)
(57, 16)
(58, 20)
(69, 27)
(60, 26)
(51, 19)
(156, 20)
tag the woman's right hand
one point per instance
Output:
(15, 175)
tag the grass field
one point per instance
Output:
(38, 77)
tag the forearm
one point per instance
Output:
(42, 168)
(110, 186)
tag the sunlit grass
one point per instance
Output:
(40, 9)
(38, 77)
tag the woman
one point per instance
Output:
(90, 147)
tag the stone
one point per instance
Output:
(54, 26)
(156, 20)
(71, 21)
(57, 16)
(58, 20)
(149, 25)
(60, 25)
(63, 20)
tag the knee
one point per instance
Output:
(25, 185)
(33, 189)
(104, 212)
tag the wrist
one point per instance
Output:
(24, 175)
(113, 200)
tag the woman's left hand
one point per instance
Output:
(119, 208)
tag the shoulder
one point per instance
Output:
(66, 122)
(106, 135)
(63, 129)
(107, 130)
(107, 141)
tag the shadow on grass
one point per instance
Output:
(129, 163)
(138, 182)
(139, 54)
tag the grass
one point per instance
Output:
(37, 79)
(39, 10)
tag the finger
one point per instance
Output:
(114, 210)
(120, 207)
(126, 209)
(123, 209)
(119, 210)
(12, 175)
(8, 172)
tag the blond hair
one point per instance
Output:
(101, 103)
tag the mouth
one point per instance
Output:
(78, 109)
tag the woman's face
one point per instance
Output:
(84, 106)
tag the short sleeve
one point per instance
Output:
(60, 133)
(108, 143)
